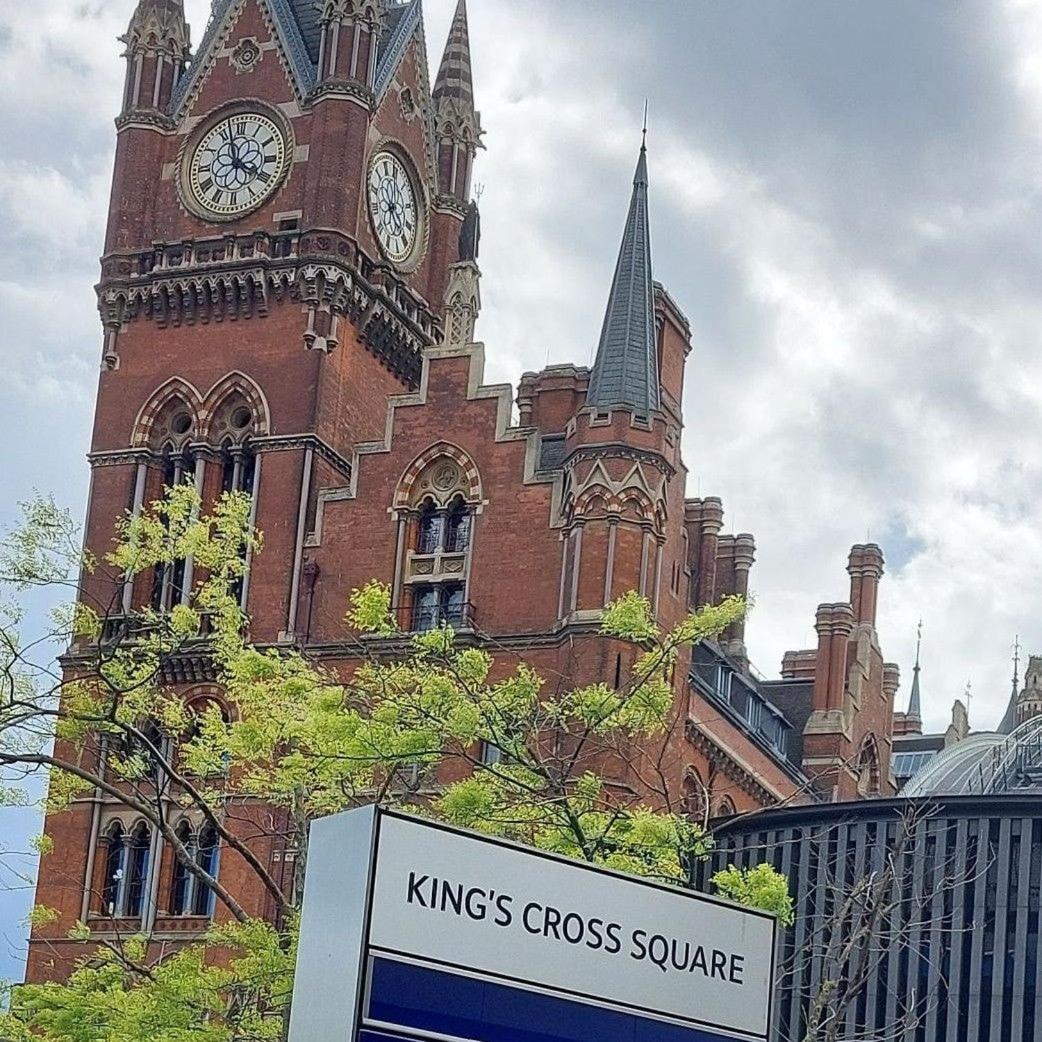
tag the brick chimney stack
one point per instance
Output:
(704, 519)
(866, 569)
(834, 624)
(891, 681)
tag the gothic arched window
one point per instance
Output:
(694, 796)
(207, 856)
(438, 499)
(431, 527)
(138, 856)
(182, 883)
(457, 528)
(115, 870)
(725, 807)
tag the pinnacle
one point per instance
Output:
(625, 374)
(455, 80)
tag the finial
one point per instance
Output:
(1016, 665)
(644, 132)
(915, 706)
(969, 695)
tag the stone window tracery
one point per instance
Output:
(438, 501)
(127, 857)
(694, 799)
(185, 432)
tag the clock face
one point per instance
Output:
(393, 207)
(237, 164)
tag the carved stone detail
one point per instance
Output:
(462, 304)
(231, 277)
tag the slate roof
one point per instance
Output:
(308, 14)
(625, 374)
(298, 26)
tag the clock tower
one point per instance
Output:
(287, 207)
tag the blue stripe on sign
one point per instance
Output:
(463, 1007)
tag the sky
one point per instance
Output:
(846, 201)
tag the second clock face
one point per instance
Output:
(237, 164)
(393, 207)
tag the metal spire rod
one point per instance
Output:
(1016, 665)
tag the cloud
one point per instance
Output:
(845, 202)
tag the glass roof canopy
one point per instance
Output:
(984, 764)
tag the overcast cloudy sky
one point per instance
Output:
(846, 201)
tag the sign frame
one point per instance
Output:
(330, 989)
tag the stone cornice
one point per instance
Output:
(347, 90)
(145, 119)
(262, 443)
(288, 442)
(120, 457)
(721, 758)
(618, 450)
(233, 277)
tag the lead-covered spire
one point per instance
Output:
(625, 374)
(457, 123)
(915, 700)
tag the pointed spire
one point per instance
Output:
(1009, 718)
(158, 49)
(915, 700)
(625, 374)
(455, 79)
(457, 122)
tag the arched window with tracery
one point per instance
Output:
(725, 807)
(190, 894)
(171, 436)
(868, 779)
(437, 501)
(694, 797)
(115, 852)
(182, 880)
(182, 436)
(127, 859)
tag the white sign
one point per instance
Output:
(481, 907)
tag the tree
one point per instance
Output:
(439, 728)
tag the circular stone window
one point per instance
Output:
(181, 423)
(241, 418)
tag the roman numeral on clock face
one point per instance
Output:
(237, 164)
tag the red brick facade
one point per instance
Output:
(284, 345)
